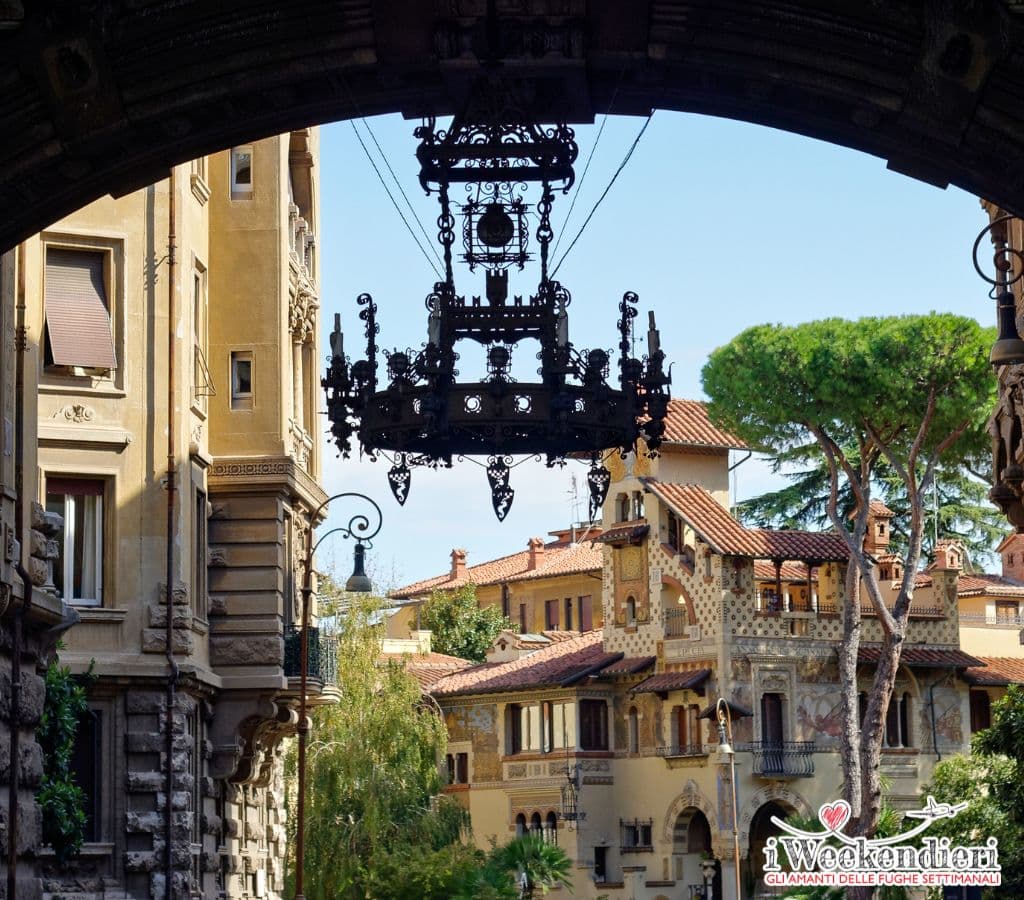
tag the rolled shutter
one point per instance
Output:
(77, 310)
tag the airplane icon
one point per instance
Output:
(933, 810)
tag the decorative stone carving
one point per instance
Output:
(75, 412)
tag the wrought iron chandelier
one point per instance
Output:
(422, 415)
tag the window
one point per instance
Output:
(622, 508)
(506, 608)
(635, 835)
(79, 574)
(551, 615)
(686, 729)
(559, 726)
(199, 552)
(522, 618)
(77, 332)
(535, 824)
(593, 725)
(630, 611)
(568, 613)
(981, 711)
(1007, 610)
(674, 537)
(634, 730)
(523, 728)
(241, 379)
(520, 825)
(241, 170)
(551, 828)
(586, 613)
(202, 383)
(86, 757)
(458, 768)
(600, 864)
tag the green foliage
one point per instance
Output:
(991, 781)
(61, 800)
(771, 383)
(372, 774)
(961, 490)
(459, 627)
(545, 865)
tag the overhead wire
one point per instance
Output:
(604, 193)
(394, 202)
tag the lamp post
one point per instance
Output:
(725, 746)
(359, 528)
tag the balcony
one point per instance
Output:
(784, 759)
(322, 655)
(997, 621)
(676, 751)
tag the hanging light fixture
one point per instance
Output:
(572, 814)
(421, 414)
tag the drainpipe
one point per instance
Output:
(172, 666)
(20, 344)
(931, 704)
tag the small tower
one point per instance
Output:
(948, 555)
(1011, 553)
(876, 540)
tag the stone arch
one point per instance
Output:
(920, 85)
(774, 792)
(690, 796)
(676, 585)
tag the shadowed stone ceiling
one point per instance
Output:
(101, 96)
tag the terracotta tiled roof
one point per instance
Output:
(535, 640)
(629, 665)
(559, 665)
(428, 668)
(878, 508)
(923, 657)
(623, 534)
(716, 527)
(672, 681)
(998, 671)
(764, 570)
(687, 423)
(994, 585)
(559, 558)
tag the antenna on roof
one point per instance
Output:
(573, 504)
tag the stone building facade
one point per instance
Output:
(697, 608)
(171, 341)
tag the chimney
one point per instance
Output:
(536, 546)
(1011, 552)
(948, 555)
(458, 564)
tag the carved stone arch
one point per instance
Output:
(677, 585)
(691, 796)
(780, 794)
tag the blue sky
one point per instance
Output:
(717, 225)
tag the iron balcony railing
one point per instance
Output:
(982, 619)
(787, 759)
(322, 650)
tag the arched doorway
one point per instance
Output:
(762, 828)
(691, 842)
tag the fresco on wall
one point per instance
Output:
(819, 716)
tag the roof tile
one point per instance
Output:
(558, 665)
(672, 681)
(923, 657)
(998, 671)
(687, 422)
(718, 528)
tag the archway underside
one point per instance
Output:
(103, 96)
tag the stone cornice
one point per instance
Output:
(245, 473)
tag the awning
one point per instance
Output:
(999, 671)
(672, 681)
(736, 711)
(626, 534)
(630, 665)
(924, 658)
(77, 311)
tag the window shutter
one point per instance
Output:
(77, 310)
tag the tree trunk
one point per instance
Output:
(871, 736)
(848, 648)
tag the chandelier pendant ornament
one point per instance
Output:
(424, 414)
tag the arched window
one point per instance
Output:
(631, 610)
(551, 829)
(535, 825)
(905, 721)
(634, 730)
(520, 825)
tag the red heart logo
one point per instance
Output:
(834, 815)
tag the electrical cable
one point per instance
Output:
(401, 190)
(604, 193)
(394, 203)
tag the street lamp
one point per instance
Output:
(359, 528)
(725, 746)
